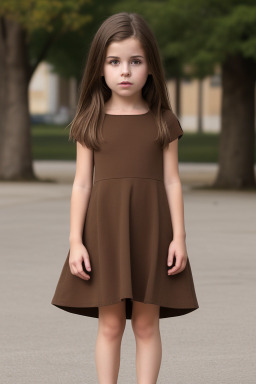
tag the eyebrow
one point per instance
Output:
(116, 57)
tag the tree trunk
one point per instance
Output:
(16, 157)
(200, 106)
(2, 81)
(236, 153)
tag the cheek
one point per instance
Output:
(143, 73)
(109, 77)
(107, 71)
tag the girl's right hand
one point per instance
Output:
(78, 254)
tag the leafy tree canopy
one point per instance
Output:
(36, 14)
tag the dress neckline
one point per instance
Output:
(141, 114)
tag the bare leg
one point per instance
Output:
(112, 321)
(145, 324)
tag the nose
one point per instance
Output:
(125, 70)
(125, 74)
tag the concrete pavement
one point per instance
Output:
(43, 344)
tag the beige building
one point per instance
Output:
(55, 99)
(52, 96)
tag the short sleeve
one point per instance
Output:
(173, 125)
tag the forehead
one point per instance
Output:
(127, 47)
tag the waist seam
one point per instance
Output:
(128, 177)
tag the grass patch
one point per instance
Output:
(50, 142)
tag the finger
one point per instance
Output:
(170, 258)
(179, 269)
(87, 264)
(81, 272)
(76, 271)
(176, 268)
(83, 275)
(174, 272)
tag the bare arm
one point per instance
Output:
(80, 196)
(80, 192)
(174, 189)
(175, 199)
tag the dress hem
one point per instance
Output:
(92, 310)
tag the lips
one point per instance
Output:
(126, 83)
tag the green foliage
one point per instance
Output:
(235, 32)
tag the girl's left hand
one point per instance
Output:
(178, 249)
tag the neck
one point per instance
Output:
(126, 104)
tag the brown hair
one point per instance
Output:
(94, 91)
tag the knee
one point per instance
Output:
(144, 328)
(112, 328)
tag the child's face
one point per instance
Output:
(125, 61)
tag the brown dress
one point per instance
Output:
(128, 227)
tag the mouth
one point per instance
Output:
(125, 83)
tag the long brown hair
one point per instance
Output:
(94, 91)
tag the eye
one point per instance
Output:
(113, 62)
(136, 61)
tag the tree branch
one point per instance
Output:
(49, 41)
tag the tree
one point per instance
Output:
(19, 21)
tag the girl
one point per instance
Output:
(127, 256)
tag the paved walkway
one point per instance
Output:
(43, 344)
